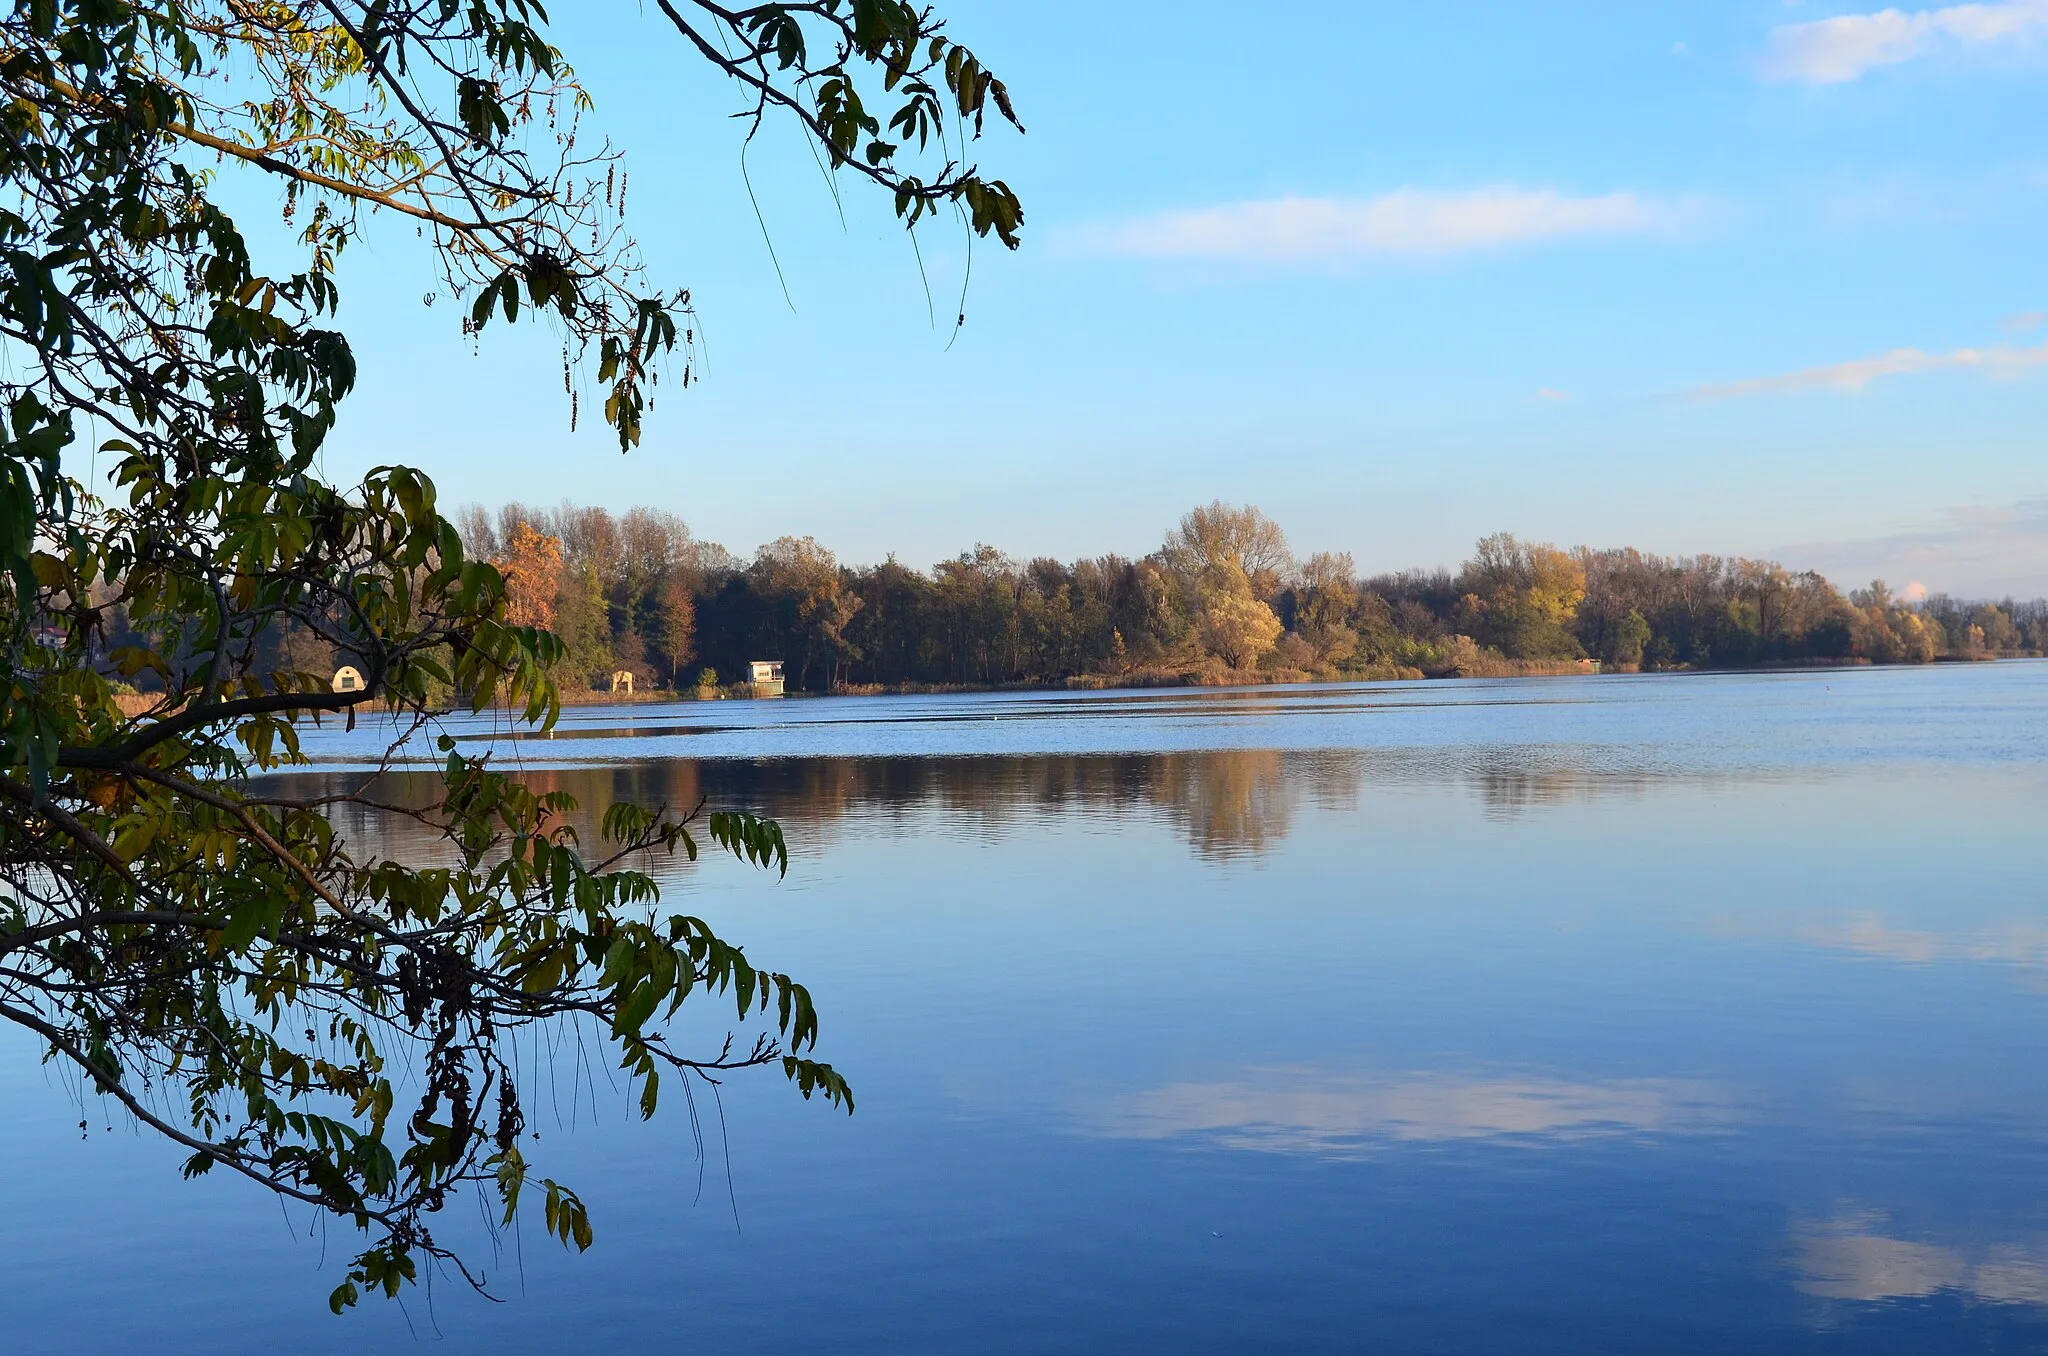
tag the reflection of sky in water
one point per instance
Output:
(1686, 1015)
(1852, 1258)
(1312, 1111)
(1643, 724)
(2019, 941)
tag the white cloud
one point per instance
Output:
(2023, 322)
(1551, 393)
(1833, 51)
(1858, 373)
(1408, 221)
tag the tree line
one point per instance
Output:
(1224, 598)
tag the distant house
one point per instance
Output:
(766, 676)
(622, 681)
(348, 678)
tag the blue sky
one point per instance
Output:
(1747, 277)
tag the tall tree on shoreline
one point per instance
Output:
(214, 956)
(1219, 538)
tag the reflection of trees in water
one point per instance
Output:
(1508, 792)
(1226, 802)
(1233, 803)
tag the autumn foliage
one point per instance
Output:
(1224, 598)
(532, 566)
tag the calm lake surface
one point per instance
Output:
(1674, 1014)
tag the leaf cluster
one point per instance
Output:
(821, 62)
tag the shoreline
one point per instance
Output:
(1138, 682)
(140, 703)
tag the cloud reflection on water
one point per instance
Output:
(2018, 941)
(1850, 1258)
(1308, 1110)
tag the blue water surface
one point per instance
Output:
(1701, 1013)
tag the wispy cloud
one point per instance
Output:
(1834, 51)
(1854, 375)
(2024, 322)
(1973, 551)
(1408, 221)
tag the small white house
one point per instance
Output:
(348, 678)
(766, 676)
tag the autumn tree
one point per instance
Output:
(1220, 538)
(333, 1024)
(1523, 598)
(622, 597)
(1236, 627)
(532, 569)
(672, 633)
(1325, 600)
(1996, 627)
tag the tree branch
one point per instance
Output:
(120, 756)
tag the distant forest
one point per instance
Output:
(1223, 599)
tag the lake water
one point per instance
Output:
(1674, 1014)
